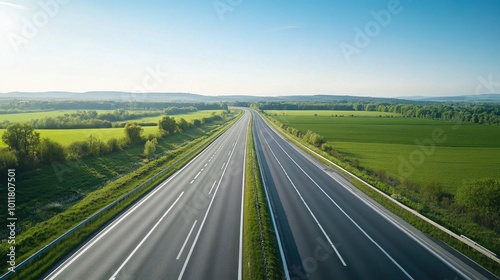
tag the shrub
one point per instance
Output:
(113, 145)
(482, 199)
(150, 148)
(78, 149)
(133, 133)
(8, 159)
(51, 151)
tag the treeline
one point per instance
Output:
(182, 110)
(40, 105)
(480, 199)
(458, 112)
(85, 119)
(27, 150)
(482, 114)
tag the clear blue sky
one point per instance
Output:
(255, 47)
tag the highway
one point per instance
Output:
(328, 230)
(188, 227)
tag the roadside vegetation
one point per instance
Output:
(99, 181)
(456, 184)
(261, 258)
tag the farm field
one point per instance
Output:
(67, 136)
(405, 147)
(188, 116)
(25, 117)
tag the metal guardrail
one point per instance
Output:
(98, 213)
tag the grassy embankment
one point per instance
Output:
(261, 259)
(175, 152)
(375, 144)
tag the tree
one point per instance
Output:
(51, 151)
(133, 133)
(78, 149)
(183, 124)
(197, 122)
(23, 139)
(150, 148)
(167, 124)
(482, 198)
(8, 159)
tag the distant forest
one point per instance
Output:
(12, 106)
(92, 119)
(460, 112)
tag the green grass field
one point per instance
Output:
(25, 117)
(188, 116)
(457, 152)
(67, 136)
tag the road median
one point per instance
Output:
(261, 258)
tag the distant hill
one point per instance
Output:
(490, 97)
(191, 97)
(106, 95)
(183, 97)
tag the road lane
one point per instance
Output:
(169, 234)
(313, 209)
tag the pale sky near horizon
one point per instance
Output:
(383, 48)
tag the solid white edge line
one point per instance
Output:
(144, 239)
(307, 206)
(185, 241)
(205, 217)
(108, 228)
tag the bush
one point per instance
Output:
(133, 133)
(113, 145)
(8, 159)
(327, 147)
(183, 124)
(51, 151)
(150, 148)
(78, 149)
(482, 199)
(197, 122)
(313, 138)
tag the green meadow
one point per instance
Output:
(406, 148)
(67, 136)
(188, 116)
(26, 117)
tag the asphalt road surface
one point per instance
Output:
(189, 227)
(328, 232)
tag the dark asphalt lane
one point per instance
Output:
(186, 228)
(327, 232)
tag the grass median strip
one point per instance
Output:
(261, 258)
(38, 236)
